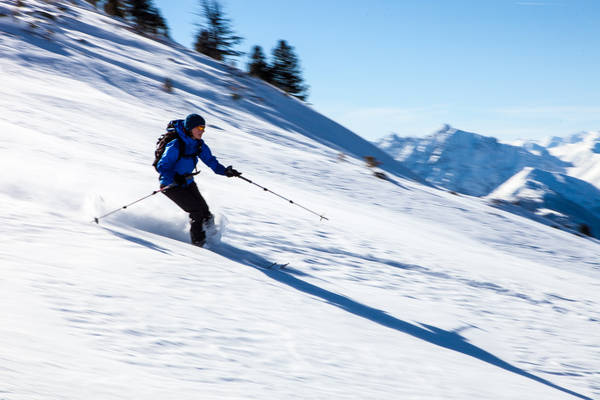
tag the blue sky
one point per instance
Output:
(505, 68)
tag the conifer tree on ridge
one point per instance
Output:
(114, 8)
(258, 65)
(146, 17)
(286, 72)
(216, 38)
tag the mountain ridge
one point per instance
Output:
(566, 200)
(477, 165)
(463, 161)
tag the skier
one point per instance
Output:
(176, 166)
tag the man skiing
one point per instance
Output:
(176, 166)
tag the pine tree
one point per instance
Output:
(114, 8)
(286, 73)
(146, 17)
(158, 25)
(216, 39)
(258, 65)
(204, 44)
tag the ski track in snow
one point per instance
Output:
(407, 292)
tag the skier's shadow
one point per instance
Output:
(138, 240)
(437, 336)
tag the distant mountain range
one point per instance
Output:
(582, 150)
(555, 180)
(466, 162)
(556, 197)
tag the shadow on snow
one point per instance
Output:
(138, 240)
(447, 339)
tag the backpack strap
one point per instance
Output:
(182, 152)
(168, 137)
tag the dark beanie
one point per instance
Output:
(192, 121)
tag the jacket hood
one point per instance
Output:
(189, 141)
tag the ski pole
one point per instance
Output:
(280, 196)
(97, 219)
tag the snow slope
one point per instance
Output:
(407, 292)
(145, 64)
(563, 199)
(465, 162)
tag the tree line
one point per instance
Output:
(143, 14)
(216, 38)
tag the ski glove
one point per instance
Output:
(229, 172)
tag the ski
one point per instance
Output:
(276, 266)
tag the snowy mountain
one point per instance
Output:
(528, 177)
(405, 292)
(559, 198)
(582, 150)
(465, 162)
(557, 141)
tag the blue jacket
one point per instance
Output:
(172, 163)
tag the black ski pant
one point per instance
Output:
(189, 199)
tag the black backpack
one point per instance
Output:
(165, 139)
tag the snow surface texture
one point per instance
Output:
(406, 292)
